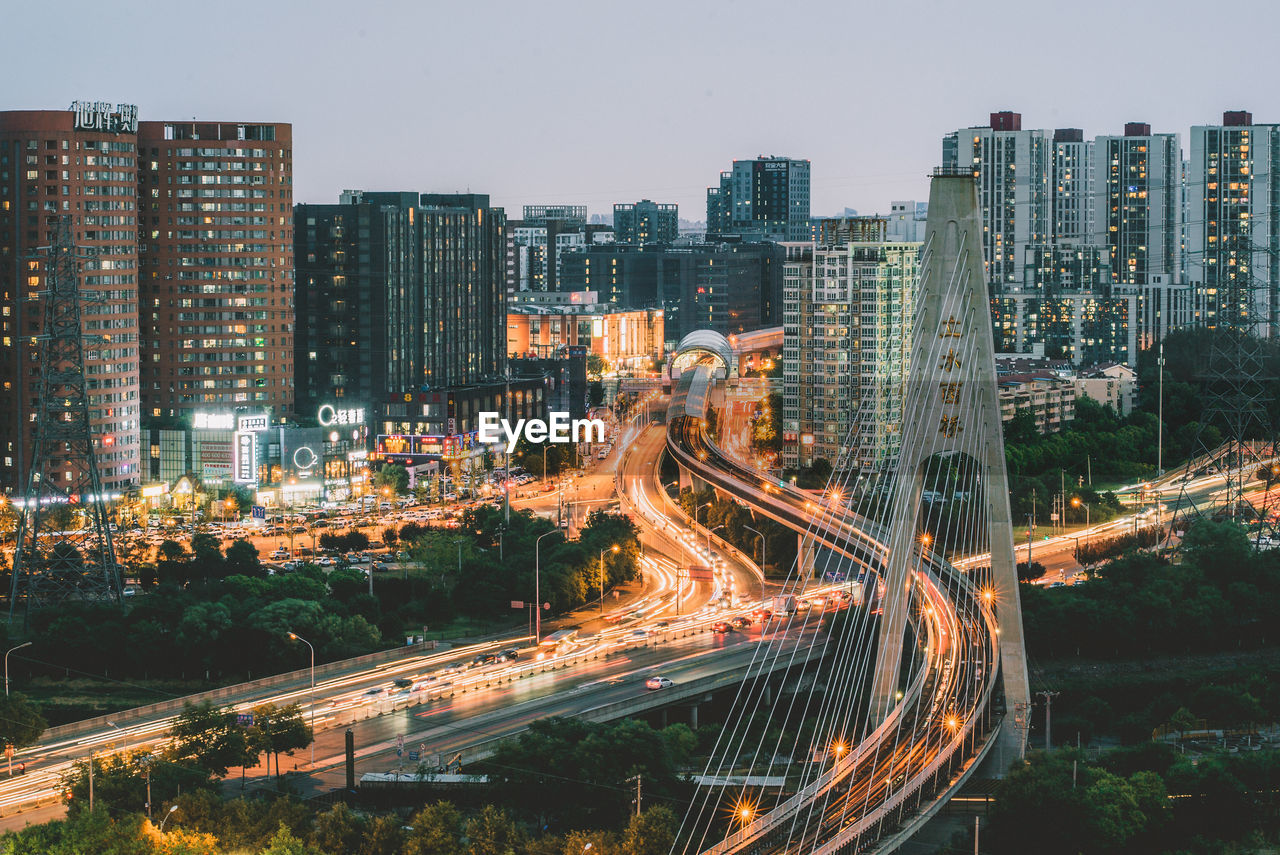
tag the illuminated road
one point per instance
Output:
(944, 715)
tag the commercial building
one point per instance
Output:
(1233, 223)
(623, 338)
(402, 303)
(726, 287)
(80, 164)
(216, 261)
(847, 329)
(537, 244)
(646, 222)
(762, 199)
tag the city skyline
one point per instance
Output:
(709, 97)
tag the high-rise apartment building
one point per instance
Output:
(1071, 177)
(1011, 167)
(762, 199)
(1138, 180)
(1233, 223)
(398, 293)
(80, 164)
(215, 230)
(351, 257)
(646, 222)
(847, 327)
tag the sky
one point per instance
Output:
(601, 102)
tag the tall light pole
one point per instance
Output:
(172, 808)
(695, 521)
(717, 528)
(537, 585)
(297, 637)
(1160, 414)
(6, 664)
(613, 549)
(124, 738)
(1075, 500)
(763, 543)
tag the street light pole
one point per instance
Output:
(6, 664)
(613, 548)
(763, 544)
(537, 585)
(297, 637)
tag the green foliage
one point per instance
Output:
(1221, 595)
(766, 434)
(278, 730)
(120, 782)
(211, 738)
(574, 774)
(392, 475)
(20, 720)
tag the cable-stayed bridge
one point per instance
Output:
(926, 675)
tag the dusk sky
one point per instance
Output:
(601, 102)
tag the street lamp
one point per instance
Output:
(537, 585)
(124, 737)
(297, 637)
(717, 528)
(763, 543)
(613, 549)
(6, 664)
(172, 808)
(1075, 501)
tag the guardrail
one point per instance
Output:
(238, 691)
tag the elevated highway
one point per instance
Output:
(939, 729)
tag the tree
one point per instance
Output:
(279, 730)
(286, 843)
(392, 475)
(595, 394)
(338, 829)
(435, 830)
(492, 832)
(652, 832)
(20, 721)
(211, 737)
(390, 536)
(242, 559)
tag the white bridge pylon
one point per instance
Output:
(951, 407)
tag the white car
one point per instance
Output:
(658, 683)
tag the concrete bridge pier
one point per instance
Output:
(806, 562)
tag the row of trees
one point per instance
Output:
(1143, 799)
(206, 742)
(1222, 594)
(203, 824)
(212, 616)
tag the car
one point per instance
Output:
(402, 682)
(1058, 585)
(483, 659)
(662, 624)
(740, 622)
(658, 683)
(721, 626)
(280, 554)
(373, 692)
(637, 634)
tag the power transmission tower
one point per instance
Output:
(1238, 404)
(64, 549)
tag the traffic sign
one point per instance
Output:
(258, 512)
(399, 752)
(413, 755)
(517, 604)
(244, 719)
